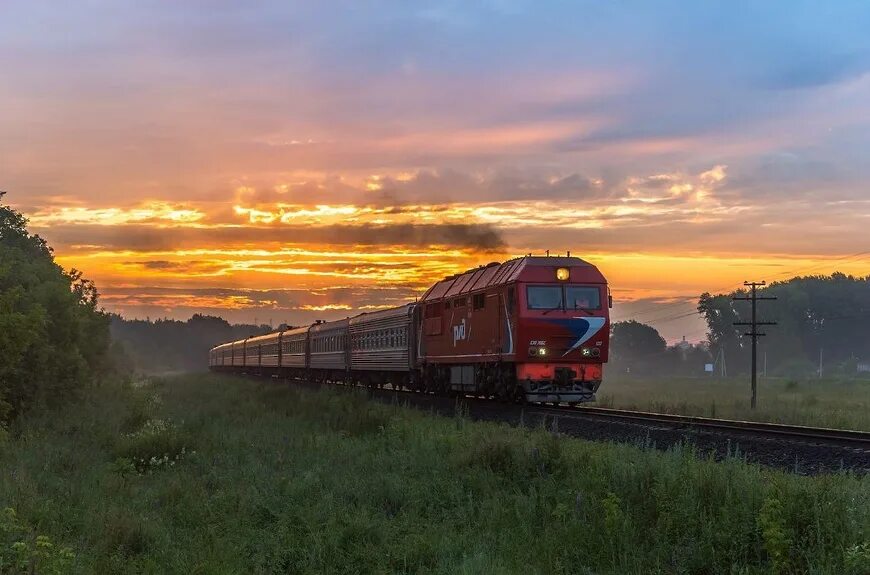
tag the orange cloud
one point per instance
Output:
(371, 233)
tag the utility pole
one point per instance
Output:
(754, 334)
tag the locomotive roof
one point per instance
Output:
(495, 274)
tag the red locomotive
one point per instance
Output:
(532, 328)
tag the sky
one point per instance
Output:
(290, 161)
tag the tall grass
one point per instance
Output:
(289, 480)
(838, 403)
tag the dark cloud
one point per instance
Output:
(471, 236)
(293, 306)
(159, 265)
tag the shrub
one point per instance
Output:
(158, 444)
(23, 552)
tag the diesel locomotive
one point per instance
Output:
(532, 328)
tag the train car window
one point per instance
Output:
(511, 296)
(478, 301)
(447, 304)
(459, 302)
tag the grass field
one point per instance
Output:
(207, 474)
(841, 404)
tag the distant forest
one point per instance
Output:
(816, 316)
(167, 345)
(827, 316)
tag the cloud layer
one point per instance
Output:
(270, 146)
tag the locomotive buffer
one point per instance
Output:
(754, 334)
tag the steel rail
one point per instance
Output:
(820, 435)
(825, 435)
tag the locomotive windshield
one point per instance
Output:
(544, 297)
(563, 297)
(582, 297)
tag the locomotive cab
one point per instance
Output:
(531, 327)
(562, 332)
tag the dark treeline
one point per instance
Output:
(827, 315)
(818, 317)
(637, 349)
(53, 338)
(171, 345)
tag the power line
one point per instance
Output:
(667, 318)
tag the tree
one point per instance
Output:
(813, 313)
(53, 339)
(635, 346)
(723, 335)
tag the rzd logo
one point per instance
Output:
(458, 332)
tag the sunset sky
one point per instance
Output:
(288, 161)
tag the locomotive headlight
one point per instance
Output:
(542, 351)
(562, 274)
(586, 352)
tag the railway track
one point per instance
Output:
(816, 435)
(795, 448)
(761, 429)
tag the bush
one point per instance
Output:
(159, 444)
(23, 551)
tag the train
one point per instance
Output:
(533, 329)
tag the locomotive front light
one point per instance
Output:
(562, 274)
(542, 351)
(586, 352)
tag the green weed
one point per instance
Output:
(22, 551)
(838, 403)
(286, 479)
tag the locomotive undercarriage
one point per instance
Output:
(495, 380)
(498, 380)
